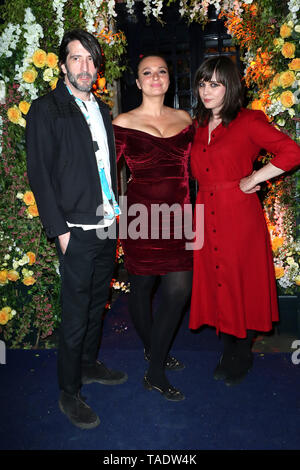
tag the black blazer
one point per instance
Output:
(61, 163)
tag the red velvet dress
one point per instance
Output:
(234, 287)
(159, 175)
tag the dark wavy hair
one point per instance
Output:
(88, 41)
(226, 73)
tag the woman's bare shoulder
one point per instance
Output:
(180, 115)
(184, 115)
(125, 119)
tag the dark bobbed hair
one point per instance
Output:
(226, 73)
(88, 41)
(145, 56)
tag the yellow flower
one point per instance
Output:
(29, 281)
(3, 277)
(287, 99)
(285, 31)
(277, 242)
(33, 210)
(31, 257)
(297, 280)
(13, 275)
(279, 272)
(295, 64)
(5, 315)
(101, 82)
(287, 78)
(275, 82)
(257, 104)
(29, 75)
(24, 107)
(51, 60)
(288, 50)
(53, 83)
(39, 58)
(14, 114)
(28, 198)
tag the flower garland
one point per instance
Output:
(58, 8)
(33, 33)
(272, 70)
(29, 277)
(9, 40)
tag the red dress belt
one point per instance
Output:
(218, 186)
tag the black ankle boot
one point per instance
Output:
(78, 412)
(240, 368)
(224, 366)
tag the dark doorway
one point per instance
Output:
(184, 47)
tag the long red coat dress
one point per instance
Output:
(234, 287)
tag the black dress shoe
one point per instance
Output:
(101, 374)
(170, 393)
(239, 371)
(224, 367)
(78, 412)
(171, 363)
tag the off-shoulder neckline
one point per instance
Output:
(152, 135)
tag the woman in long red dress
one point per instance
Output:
(155, 141)
(234, 287)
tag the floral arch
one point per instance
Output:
(268, 34)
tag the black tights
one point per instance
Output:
(157, 331)
(240, 347)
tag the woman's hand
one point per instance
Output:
(248, 184)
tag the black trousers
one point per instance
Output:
(86, 270)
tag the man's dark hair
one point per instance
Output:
(88, 41)
(227, 73)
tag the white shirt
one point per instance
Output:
(97, 124)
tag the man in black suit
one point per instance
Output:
(71, 165)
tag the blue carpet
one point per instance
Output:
(262, 413)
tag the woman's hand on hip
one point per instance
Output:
(248, 184)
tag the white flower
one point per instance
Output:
(22, 122)
(147, 8)
(33, 34)
(291, 112)
(130, 6)
(58, 7)
(48, 75)
(156, 10)
(24, 260)
(15, 264)
(293, 6)
(280, 122)
(9, 39)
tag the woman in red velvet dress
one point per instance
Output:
(234, 286)
(155, 141)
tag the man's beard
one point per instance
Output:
(73, 79)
